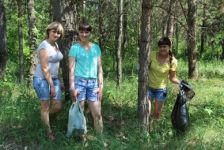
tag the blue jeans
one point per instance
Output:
(42, 88)
(86, 89)
(157, 94)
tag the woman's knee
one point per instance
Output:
(97, 116)
(55, 106)
(45, 106)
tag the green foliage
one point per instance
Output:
(21, 127)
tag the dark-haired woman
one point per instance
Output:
(162, 67)
(86, 74)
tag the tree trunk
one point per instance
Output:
(101, 30)
(65, 12)
(170, 21)
(120, 41)
(222, 55)
(177, 38)
(20, 32)
(203, 31)
(143, 104)
(32, 39)
(165, 13)
(191, 39)
(125, 28)
(57, 9)
(3, 49)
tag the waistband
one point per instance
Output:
(44, 78)
(82, 78)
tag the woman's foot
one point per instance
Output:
(82, 138)
(51, 136)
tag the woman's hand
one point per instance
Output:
(52, 91)
(100, 92)
(62, 87)
(74, 94)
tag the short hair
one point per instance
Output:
(55, 26)
(164, 41)
(85, 26)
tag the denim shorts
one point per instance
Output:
(157, 94)
(86, 89)
(42, 88)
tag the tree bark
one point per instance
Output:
(101, 30)
(120, 40)
(20, 32)
(203, 31)
(191, 39)
(3, 49)
(177, 38)
(170, 21)
(143, 104)
(222, 55)
(32, 40)
(125, 28)
(65, 12)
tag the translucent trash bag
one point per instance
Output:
(76, 121)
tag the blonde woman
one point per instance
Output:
(46, 82)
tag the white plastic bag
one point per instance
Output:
(76, 120)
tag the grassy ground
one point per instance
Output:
(20, 126)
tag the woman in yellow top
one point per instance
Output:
(162, 66)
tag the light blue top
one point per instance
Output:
(86, 61)
(54, 56)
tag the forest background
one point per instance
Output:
(127, 31)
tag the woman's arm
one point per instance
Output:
(43, 55)
(173, 77)
(72, 77)
(100, 77)
(100, 72)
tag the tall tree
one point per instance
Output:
(191, 39)
(65, 12)
(119, 40)
(125, 29)
(203, 30)
(32, 39)
(143, 103)
(20, 32)
(170, 20)
(3, 49)
(101, 31)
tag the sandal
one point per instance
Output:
(51, 136)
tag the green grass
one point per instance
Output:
(21, 128)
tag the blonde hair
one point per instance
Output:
(55, 26)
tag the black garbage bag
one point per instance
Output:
(180, 115)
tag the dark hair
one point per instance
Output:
(166, 41)
(84, 26)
